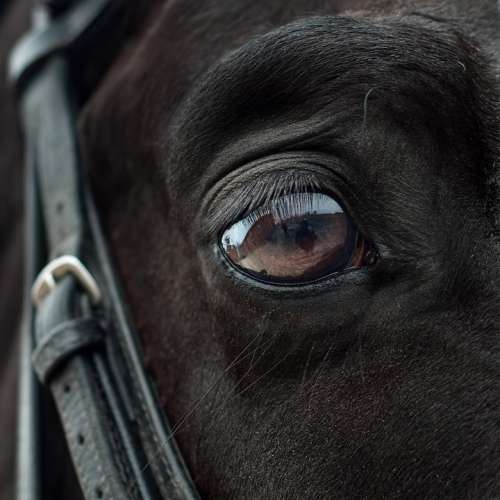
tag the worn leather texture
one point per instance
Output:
(62, 342)
(87, 356)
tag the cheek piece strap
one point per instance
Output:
(77, 339)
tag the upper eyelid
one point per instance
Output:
(289, 205)
(261, 193)
(242, 192)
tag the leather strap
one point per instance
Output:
(163, 459)
(51, 36)
(80, 386)
(28, 443)
(62, 343)
(87, 355)
(104, 464)
(55, 151)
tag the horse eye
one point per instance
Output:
(295, 239)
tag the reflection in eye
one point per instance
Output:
(295, 239)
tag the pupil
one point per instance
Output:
(305, 237)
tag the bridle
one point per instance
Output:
(77, 338)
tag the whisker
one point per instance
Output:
(306, 366)
(221, 407)
(365, 108)
(256, 381)
(318, 373)
(238, 359)
(214, 399)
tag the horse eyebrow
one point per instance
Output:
(296, 72)
(297, 57)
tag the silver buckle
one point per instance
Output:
(57, 269)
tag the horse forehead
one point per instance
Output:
(157, 79)
(301, 77)
(181, 39)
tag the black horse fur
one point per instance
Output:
(380, 383)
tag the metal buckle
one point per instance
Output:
(46, 281)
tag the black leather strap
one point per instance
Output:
(84, 394)
(62, 343)
(87, 355)
(50, 135)
(162, 456)
(28, 447)
(51, 36)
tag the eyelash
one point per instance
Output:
(260, 194)
(285, 207)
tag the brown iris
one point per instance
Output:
(297, 238)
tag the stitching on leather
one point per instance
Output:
(119, 457)
(151, 455)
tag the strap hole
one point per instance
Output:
(99, 493)
(80, 439)
(67, 388)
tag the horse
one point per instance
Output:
(348, 347)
